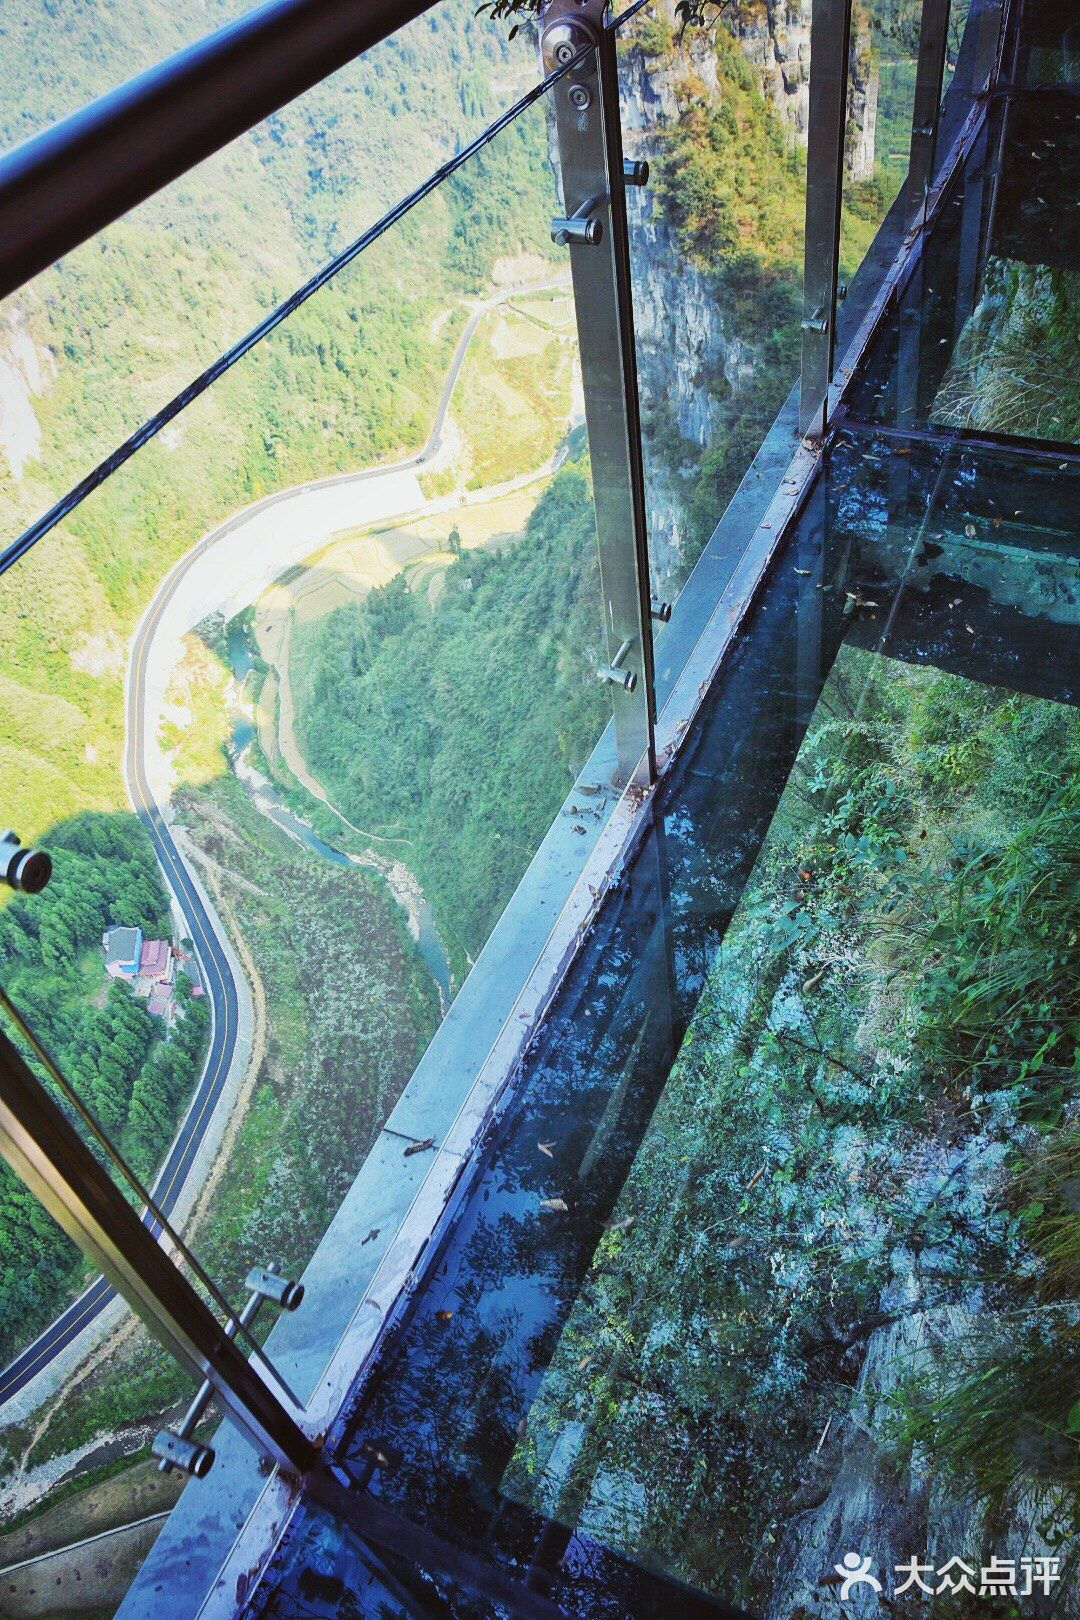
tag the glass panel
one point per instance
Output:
(664, 1344)
(102, 340)
(985, 337)
(335, 637)
(882, 64)
(716, 242)
(1050, 51)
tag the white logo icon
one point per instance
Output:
(856, 1572)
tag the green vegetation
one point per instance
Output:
(462, 726)
(1014, 367)
(114, 1054)
(732, 189)
(850, 1276)
(350, 1008)
(513, 397)
(730, 184)
(115, 329)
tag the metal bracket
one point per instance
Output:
(614, 674)
(635, 171)
(660, 610)
(582, 225)
(174, 1448)
(27, 870)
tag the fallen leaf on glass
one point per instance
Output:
(586, 1361)
(557, 1204)
(443, 1316)
(546, 1147)
(372, 1235)
(619, 1226)
(419, 1147)
(814, 980)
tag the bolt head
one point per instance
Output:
(580, 97)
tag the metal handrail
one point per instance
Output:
(153, 425)
(60, 187)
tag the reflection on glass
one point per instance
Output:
(1013, 369)
(1050, 50)
(723, 1288)
(985, 336)
(334, 638)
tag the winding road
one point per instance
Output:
(203, 927)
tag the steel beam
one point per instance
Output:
(45, 1151)
(586, 103)
(926, 105)
(830, 34)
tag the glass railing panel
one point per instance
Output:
(984, 338)
(1050, 46)
(334, 635)
(716, 243)
(882, 67)
(58, 56)
(93, 346)
(914, 76)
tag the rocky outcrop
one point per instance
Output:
(863, 83)
(684, 377)
(672, 295)
(775, 35)
(24, 371)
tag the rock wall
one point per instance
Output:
(686, 345)
(671, 296)
(775, 35)
(24, 371)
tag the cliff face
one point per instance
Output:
(775, 35)
(25, 370)
(671, 295)
(684, 382)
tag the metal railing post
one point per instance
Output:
(926, 104)
(45, 1151)
(830, 34)
(594, 229)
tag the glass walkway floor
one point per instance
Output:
(774, 1254)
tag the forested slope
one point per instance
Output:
(461, 727)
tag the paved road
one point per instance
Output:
(202, 927)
